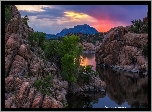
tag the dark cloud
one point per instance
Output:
(124, 13)
(52, 18)
(49, 13)
(112, 13)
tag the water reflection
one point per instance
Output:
(83, 100)
(123, 90)
(88, 59)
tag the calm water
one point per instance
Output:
(122, 90)
(88, 59)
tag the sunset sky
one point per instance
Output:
(51, 19)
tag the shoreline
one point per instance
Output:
(120, 69)
(87, 52)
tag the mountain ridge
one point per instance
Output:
(85, 29)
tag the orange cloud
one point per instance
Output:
(103, 28)
(103, 25)
(74, 16)
(107, 24)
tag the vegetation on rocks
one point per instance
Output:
(65, 53)
(85, 73)
(70, 60)
(65, 104)
(44, 84)
(37, 39)
(90, 38)
(26, 20)
(145, 51)
(7, 14)
(139, 27)
(52, 50)
(23, 65)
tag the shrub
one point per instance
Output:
(65, 104)
(85, 73)
(26, 20)
(145, 51)
(7, 14)
(139, 27)
(44, 85)
(52, 49)
(37, 37)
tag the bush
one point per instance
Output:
(37, 39)
(26, 20)
(145, 51)
(7, 14)
(52, 49)
(139, 27)
(85, 73)
(44, 85)
(65, 104)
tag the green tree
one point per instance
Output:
(70, 60)
(68, 67)
(52, 50)
(37, 38)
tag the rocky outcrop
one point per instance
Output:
(123, 49)
(88, 47)
(23, 66)
(95, 85)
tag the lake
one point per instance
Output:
(122, 90)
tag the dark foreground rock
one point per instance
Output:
(95, 85)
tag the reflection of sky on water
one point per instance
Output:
(120, 88)
(106, 102)
(88, 59)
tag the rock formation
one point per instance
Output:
(123, 50)
(88, 47)
(95, 85)
(23, 66)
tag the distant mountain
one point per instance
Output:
(48, 36)
(84, 29)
